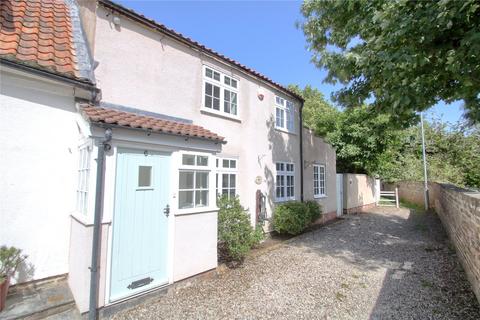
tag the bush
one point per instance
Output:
(10, 260)
(293, 217)
(236, 236)
(314, 209)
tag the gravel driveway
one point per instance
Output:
(388, 264)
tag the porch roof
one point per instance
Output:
(102, 115)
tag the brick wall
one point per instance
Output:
(459, 210)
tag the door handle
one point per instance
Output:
(166, 210)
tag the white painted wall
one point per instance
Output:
(317, 151)
(171, 83)
(38, 139)
(193, 255)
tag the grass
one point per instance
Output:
(413, 206)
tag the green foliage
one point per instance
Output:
(406, 55)
(10, 259)
(314, 210)
(293, 217)
(236, 236)
(368, 142)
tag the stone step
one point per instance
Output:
(39, 300)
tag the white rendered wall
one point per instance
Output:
(38, 163)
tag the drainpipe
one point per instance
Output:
(301, 152)
(104, 146)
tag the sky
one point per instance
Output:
(259, 34)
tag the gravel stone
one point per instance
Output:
(387, 264)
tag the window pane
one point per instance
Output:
(225, 180)
(208, 102)
(232, 181)
(185, 199)
(186, 180)
(226, 163)
(216, 75)
(144, 176)
(233, 164)
(209, 73)
(226, 107)
(202, 161)
(233, 193)
(201, 198)
(216, 92)
(208, 89)
(216, 103)
(188, 159)
(234, 83)
(227, 80)
(201, 180)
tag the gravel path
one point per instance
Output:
(388, 264)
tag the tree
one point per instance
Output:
(360, 135)
(404, 55)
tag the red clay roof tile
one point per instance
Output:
(39, 33)
(97, 114)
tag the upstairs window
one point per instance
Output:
(221, 92)
(284, 114)
(319, 181)
(284, 181)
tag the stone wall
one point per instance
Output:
(459, 211)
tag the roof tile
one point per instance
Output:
(38, 33)
(97, 114)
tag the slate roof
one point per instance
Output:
(99, 115)
(40, 34)
(162, 28)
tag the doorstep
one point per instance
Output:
(44, 299)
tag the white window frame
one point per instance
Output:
(317, 178)
(83, 179)
(285, 176)
(221, 170)
(195, 168)
(223, 86)
(287, 108)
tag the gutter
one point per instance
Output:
(103, 146)
(301, 151)
(87, 85)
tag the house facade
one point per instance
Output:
(173, 124)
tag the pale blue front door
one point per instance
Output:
(140, 223)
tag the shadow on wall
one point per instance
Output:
(282, 147)
(359, 190)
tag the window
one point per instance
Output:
(318, 180)
(285, 181)
(284, 114)
(221, 92)
(83, 175)
(144, 176)
(193, 183)
(227, 177)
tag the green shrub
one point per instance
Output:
(236, 236)
(314, 209)
(294, 216)
(291, 217)
(10, 260)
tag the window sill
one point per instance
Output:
(285, 131)
(284, 200)
(190, 211)
(219, 114)
(320, 196)
(81, 218)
